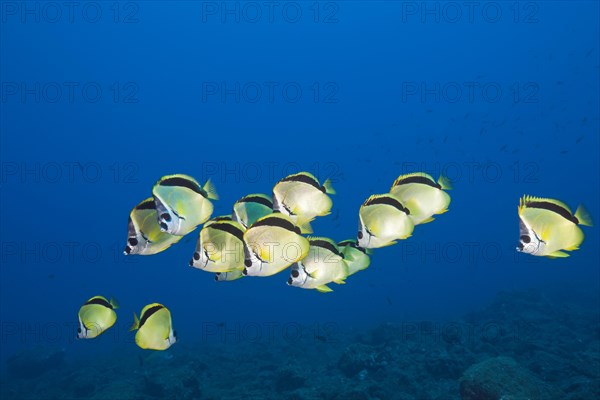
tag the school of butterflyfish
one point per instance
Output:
(265, 235)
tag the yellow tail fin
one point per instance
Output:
(583, 216)
(136, 323)
(445, 183)
(210, 190)
(328, 188)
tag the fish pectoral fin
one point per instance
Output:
(323, 289)
(265, 254)
(340, 281)
(558, 254)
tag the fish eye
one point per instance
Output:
(295, 273)
(289, 282)
(132, 241)
(525, 239)
(360, 234)
(248, 263)
(196, 256)
(165, 217)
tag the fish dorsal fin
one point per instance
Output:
(304, 177)
(258, 198)
(553, 205)
(277, 219)
(100, 300)
(220, 218)
(230, 227)
(324, 243)
(147, 204)
(386, 199)
(416, 177)
(181, 180)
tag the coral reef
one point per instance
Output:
(524, 345)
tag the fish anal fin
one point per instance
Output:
(558, 254)
(323, 289)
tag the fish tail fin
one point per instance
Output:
(136, 323)
(583, 216)
(210, 190)
(305, 228)
(114, 303)
(328, 187)
(445, 183)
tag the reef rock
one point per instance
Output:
(500, 378)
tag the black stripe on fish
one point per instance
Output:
(148, 313)
(257, 199)
(304, 179)
(186, 183)
(418, 179)
(546, 205)
(97, 300)
(326, 245)
(279, 222)
(388, 200)
(223, 218)
(229, 228)
(146, 205)
(353, 244)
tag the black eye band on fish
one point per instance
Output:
(390, 201)
(546, 205)
(177, 181)
(417, 179)
(326, 245)
(148, 313)
(304, 179)
(99, 301)
(257, 199)
(229, 228)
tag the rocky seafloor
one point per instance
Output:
(523, 345)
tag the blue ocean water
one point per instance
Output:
(100, 99)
